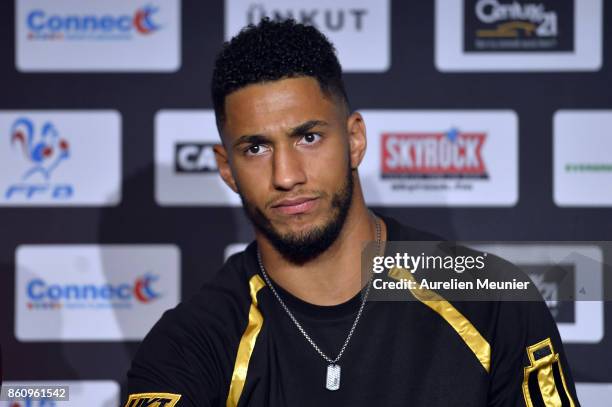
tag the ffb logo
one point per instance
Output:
(43, 150)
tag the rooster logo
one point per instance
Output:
(45, 149)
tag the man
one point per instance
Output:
(284, 323)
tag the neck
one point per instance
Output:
(334, 276)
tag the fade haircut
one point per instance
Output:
(273, 50)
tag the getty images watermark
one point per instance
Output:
(486, 271)
(48, 393)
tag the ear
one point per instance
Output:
(357, 138)
(223, 164)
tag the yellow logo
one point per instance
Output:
(153, 400)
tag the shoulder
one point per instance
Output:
(221, 304)
(511, 333)
(193, 346)
(397, 231)
(225, 297)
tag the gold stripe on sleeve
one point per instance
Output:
(543, 366)
(464, 328)
(247, 344)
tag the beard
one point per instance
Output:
(301, 247)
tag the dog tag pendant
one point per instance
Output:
(333, 377)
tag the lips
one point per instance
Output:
(295, 206)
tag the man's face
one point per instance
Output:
(288, 154)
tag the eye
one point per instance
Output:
(310, 138)
(255, 149)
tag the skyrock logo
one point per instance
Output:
(450, 154)
(46, 26)
(44, 295)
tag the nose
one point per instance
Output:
(287, 168)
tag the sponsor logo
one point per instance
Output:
(47, 25)
(97, 36)
(594, 394)
(328, 19)
(436, 156)
(194, 157)
(570, 279)
(518, 35)
(152, 400)
(451, 154)
(556, 283)
(186, 171)
(444, 158)
(582, 169)
(549, 291)
(93, 292)
(588, 167)
(44, 295)
(27, 402)
(50, 157)
(499, 25)
(358, 28)
(44, 150)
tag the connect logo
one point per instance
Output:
(143, 22)
(87, 292)
(142, 288)
(44, 150)
(44, 25)
(44, 295)
(33, 403)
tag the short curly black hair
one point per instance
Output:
(273, 50)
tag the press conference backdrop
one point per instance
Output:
(112, 210)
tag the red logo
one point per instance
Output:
(452, 154)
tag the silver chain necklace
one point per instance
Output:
(333, 369)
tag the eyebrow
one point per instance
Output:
(306, 126)
(295, 131)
